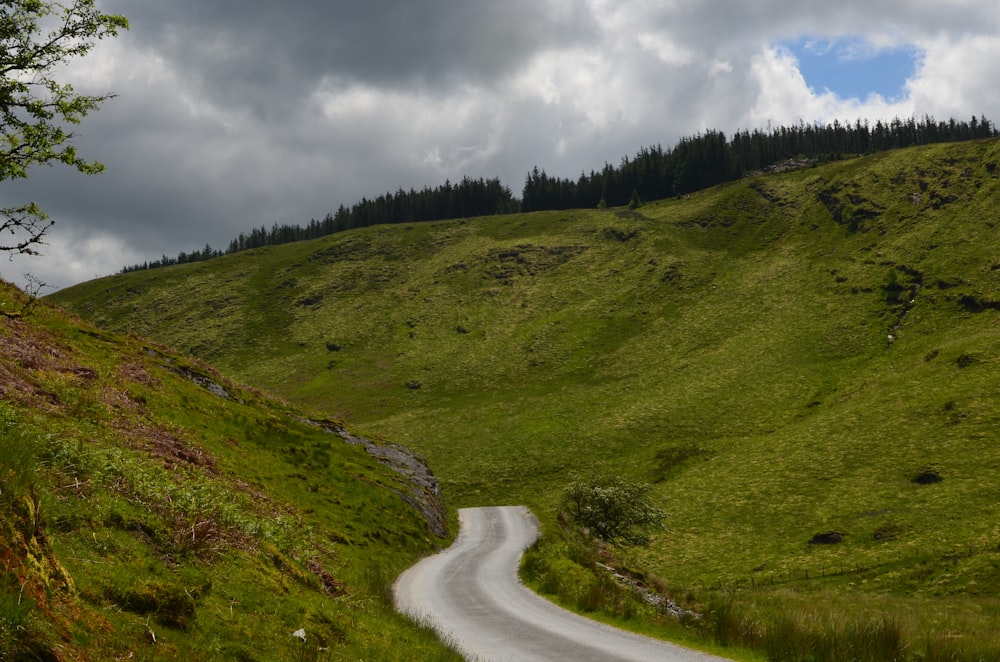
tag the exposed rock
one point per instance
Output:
(927, 478)
(828, 538)
(662, 603)
(206, 382)
(423, 491)
(976, 304)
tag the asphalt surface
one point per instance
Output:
(471, 595)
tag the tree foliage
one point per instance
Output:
(613, 508)
(469, 197)
(710, 158)
(36, 109)
(654, 173)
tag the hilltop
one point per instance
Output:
(152, 508)
(785, 356)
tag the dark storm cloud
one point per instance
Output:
(268, 54)
(718, 24)
(235, 114)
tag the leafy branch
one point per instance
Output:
(36, 109)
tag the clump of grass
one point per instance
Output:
(18, 457)
(945, 648)
(790, 637)
(20, 638)
(170, 604)
(797, 634)
(728, 627)
(792, 632)
(571, 572)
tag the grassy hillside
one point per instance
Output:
(782, 356)
(151, 508)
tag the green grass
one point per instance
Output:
(751, 322)
(146, 515)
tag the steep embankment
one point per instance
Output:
(783, 355)
(152, 508)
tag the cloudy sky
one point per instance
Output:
(232, 114)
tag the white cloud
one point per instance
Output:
(785, 98)
(666, 51)
(71, 257)
(953, 78)
(228, 121)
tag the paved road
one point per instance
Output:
(471, 595)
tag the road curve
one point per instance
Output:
(471, 595)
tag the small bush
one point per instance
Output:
(559, 576)
(892, 288)
(613, 509)
(634, 202)
(570, 573)
(172, 606)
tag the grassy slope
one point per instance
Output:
(142, 516)
(749, 323)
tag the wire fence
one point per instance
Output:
(916, 559)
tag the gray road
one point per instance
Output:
(470, 593)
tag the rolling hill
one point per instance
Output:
(151, 508)
(806, 364)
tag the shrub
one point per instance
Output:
(613, 509)
(635, 202)
(171, 605)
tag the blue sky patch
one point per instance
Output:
(852, 68)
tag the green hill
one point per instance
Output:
(151, 508)
(783, 356)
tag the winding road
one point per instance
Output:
(471, 595)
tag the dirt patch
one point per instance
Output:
(25, 351)
(136, 372)
(331, 586)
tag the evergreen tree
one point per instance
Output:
(695, 163)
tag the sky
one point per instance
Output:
(233, 114)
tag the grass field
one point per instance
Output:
(781, 356)
(152, 509)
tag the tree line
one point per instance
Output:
(469, 197)
(710, 158)
(654, 173)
